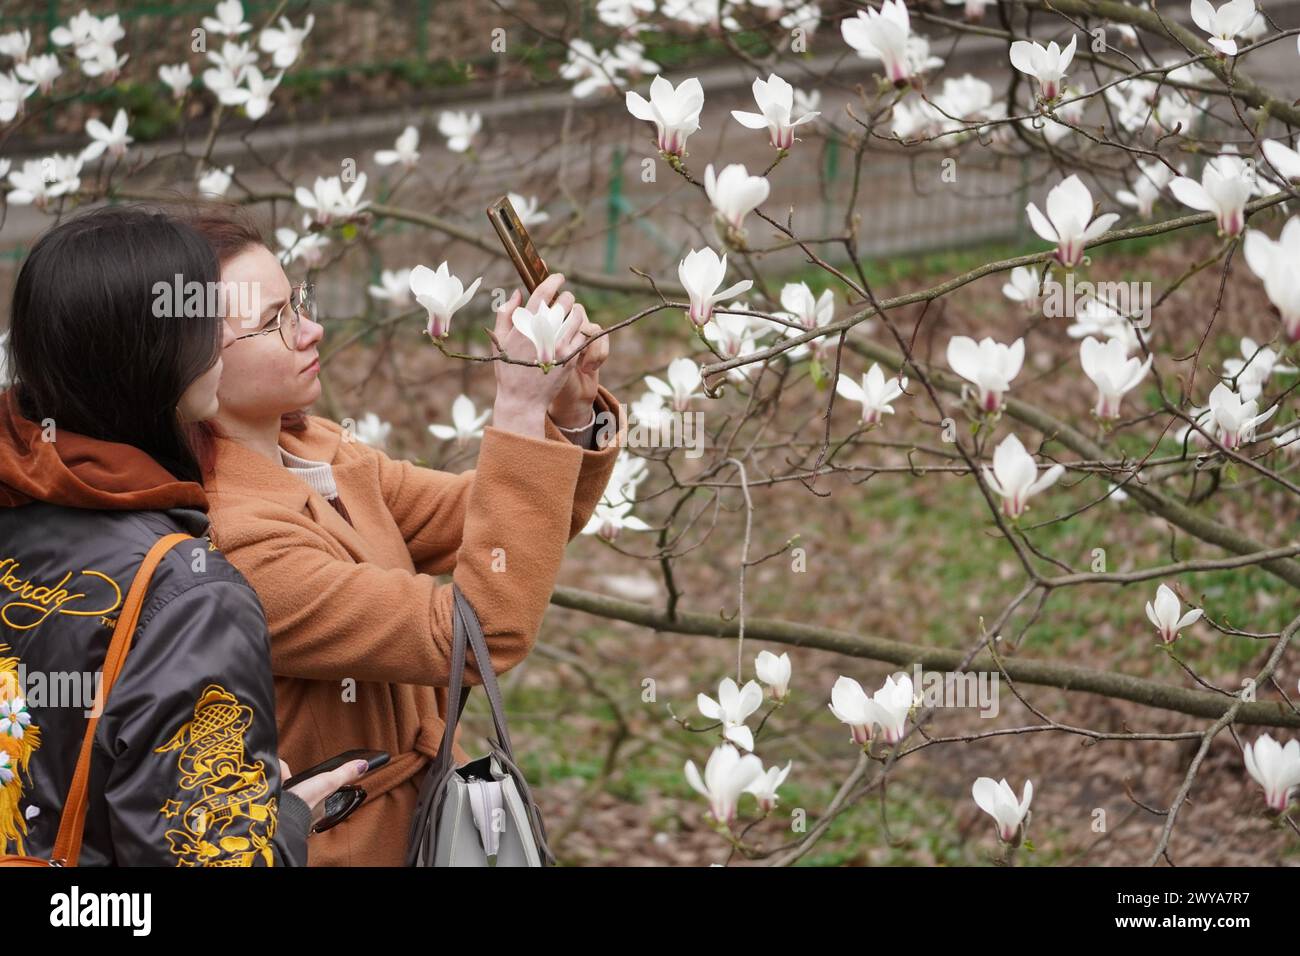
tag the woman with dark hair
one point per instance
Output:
(343, 543)
(115, 348)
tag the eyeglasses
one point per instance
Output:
(302, 298)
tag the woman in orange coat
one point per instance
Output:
(342, 543)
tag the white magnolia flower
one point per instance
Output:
(1152, 178)
(1275, 768)
(999, 801)
(394, 286)
(700, 273)
(1164, 614)
(1045, 64)
(372, 430)
(629, 471)
(549, 329)
(733, 707)
(989, 366)
(596, 70)
(851, 705)
(101, 60)
(285, 43)
(1253, 370)
(624, 13)
(526, 209)
(1022, 286)
(675, 111)
(1235, 420)
(733, 334)
(404, 151)
(216, 181)
(178, 77)
(1224, 23)
(1069, 221)
(42, 70)
(1227, 182)
(650, 410)
(764, 787)
(700, 13)
(41, 180)
(442, 295)
(1113, 372)
(1015, 476)
(328, 201)
(683, 383)
(459, 128)
(114, 139)
(13, 93)
(1274, 262)
(883, 35)
(1097, 315)
(1288, 441)
(16, 44)
(806, 102)
(774, 671)
(874, 394)
(608, 519)
(229, 20)
(801, 306)
(1285, 159)
(256, 98)
(308, 247)
(234, 58)
(466, 422)
(734, 193)
(893, 703)
(726, 775)
(224, 82)
(775, 98)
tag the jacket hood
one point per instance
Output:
(81, 472)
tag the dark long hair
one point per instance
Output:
(228, 230)
(90, 350)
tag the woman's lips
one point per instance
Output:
(313, 368)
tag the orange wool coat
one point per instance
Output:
(360, 628)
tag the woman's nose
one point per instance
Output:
(309, 333)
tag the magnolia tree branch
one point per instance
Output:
(1069, 677)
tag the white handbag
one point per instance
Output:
(482, 812)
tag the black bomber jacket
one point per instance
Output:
(184, 769)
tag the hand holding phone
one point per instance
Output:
(327, 787)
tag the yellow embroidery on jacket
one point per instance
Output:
(18, 740)
(42, 600)
(226, 789)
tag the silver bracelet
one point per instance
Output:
(575, 430)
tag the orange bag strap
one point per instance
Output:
(67, 847)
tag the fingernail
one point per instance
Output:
(361, 766)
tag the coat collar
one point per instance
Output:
(238, 470)
(241, 472)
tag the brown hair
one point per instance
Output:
(229, 230)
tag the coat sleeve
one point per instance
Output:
(194, 777)
(430, 507)
(333, 618)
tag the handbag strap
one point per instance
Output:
(67, 846)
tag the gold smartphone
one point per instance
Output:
(518, 244)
